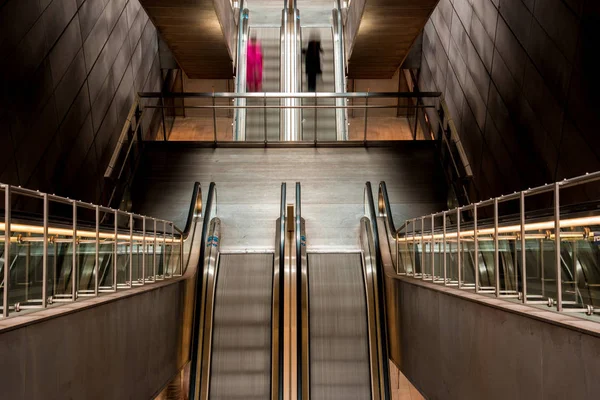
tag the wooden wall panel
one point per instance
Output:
(387, 31)
(193, 32)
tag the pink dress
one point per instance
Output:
(254, 67)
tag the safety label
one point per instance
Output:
(212, 241)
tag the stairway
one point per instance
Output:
(269, 38)
(325, 83)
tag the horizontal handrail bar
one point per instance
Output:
(566, 183)
(298, 95)
(277, 106)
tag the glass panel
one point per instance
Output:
(452, 261)
(356, 120)
(405, 262)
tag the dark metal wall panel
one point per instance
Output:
(69, 67)
(526, 87)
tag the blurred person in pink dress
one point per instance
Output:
(254, 65)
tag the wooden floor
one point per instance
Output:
(249, 181)
(202, 129)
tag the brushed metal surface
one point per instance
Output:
(339, 352)
(249, 184)
(241, 339)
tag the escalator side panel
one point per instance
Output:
(339, 352)
(241, 339)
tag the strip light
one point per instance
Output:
(20, 228)
(537, 226)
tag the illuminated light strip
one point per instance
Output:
(537, 226)
(20, 228)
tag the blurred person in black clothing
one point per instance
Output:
(312, 62)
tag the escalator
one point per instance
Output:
(234, 351)
(240, 346)
(289, 325)
(339, 337)
(266, 117)
(261, 123)
(344, 353)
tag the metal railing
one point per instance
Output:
(72, 249)
(122, 164)
(225, 101)
(535, 257)
(441, 127)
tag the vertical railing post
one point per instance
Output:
(164, 251)
(432, 249)
(265, 116)
(214, 115)
(154, 253)
(496, 250)
(172, 247)
(422, 249)
(523, 254)
(164, 119)
(74, 261)
(181, 263)
(54, 269)
(115, 249)
(144, 250)
(559, 306)
(316, 102)
(414, 248)
(97, 255)
(476, 245)
(542, 268)
(44, 255)
(366, 115)
(458, 249)
(7, 221)
(130, 250)
(444, 250)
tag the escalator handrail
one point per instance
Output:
(281, 293)
(371, 214)
(384, 207)
(298, 230)
(210, 211)
(195, 210)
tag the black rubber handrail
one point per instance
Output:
(195, 210)
(384, 207)
(208, 215)
(281, 293)
(299, 287)
(372, 215)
